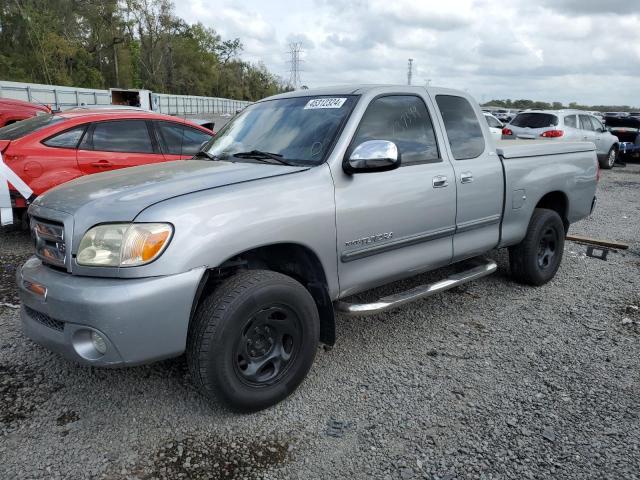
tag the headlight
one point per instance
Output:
(123, 244)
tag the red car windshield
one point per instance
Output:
(25, 127)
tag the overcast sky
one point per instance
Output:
(587, 51)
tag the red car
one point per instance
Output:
(12, 111)
(48, 150)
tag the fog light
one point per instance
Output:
(98, 343)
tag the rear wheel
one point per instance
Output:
(253, 340)
(536, 259)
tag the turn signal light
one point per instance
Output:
(552, 134)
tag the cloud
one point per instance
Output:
(567, 50)
(588, 7)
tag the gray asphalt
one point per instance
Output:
(490, 381)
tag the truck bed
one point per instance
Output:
(532, 148)
(533, 168)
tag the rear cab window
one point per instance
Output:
(26, 127)
(403, 120)
(535, 120)
(462, 127)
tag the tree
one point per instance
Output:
(124, 43)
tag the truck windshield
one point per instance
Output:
(535, 120)
(298, 130)
(25, 127)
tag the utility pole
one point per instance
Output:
(409, 71)
(295, 49)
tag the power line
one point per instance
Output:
(295, 49)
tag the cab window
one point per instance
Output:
(403, 120)
(461, 124)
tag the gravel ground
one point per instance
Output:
(492, 380)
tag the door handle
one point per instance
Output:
(585, 137)
(440, 181)
(466, 177)
(102, 164)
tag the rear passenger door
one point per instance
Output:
(117, 144)
(571, 128)
(180, 141)
(479, 178)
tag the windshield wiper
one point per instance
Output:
(203, 154)
(260, 155)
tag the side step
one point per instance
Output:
(482, 268)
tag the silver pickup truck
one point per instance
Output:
(242, 257)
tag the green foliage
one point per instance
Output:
(524, 104)
(124, 43)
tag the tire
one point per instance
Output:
(536, 259)
(610, 160)
(253, 340)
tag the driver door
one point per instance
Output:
(396, 223)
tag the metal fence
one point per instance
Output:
(59, 98)
(187, 104)
(62, 98)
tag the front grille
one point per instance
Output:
(45, 319)
(49, 241)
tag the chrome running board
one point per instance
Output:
(482, 268)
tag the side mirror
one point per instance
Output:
(372, 156)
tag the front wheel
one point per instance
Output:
(536, 259)
(253, 339)
(610, 161)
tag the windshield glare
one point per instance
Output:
(25, 127)
(300, 130)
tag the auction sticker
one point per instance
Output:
(325, 103)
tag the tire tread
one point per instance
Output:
(521, 255)
(210, 313)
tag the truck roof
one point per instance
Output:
(332, 90)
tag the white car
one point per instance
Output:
(495, 125)
(565, 126)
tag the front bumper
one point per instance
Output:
(141, 320)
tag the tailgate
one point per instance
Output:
(535, 148)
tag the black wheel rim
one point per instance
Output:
(547, 248)
(268, 345)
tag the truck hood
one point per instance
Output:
(122, 194)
